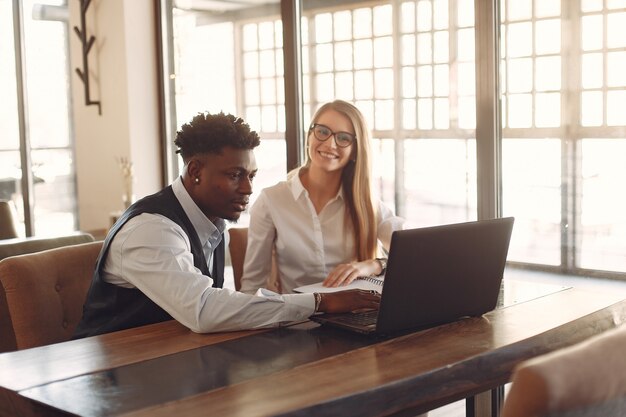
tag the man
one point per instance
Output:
(164, 257)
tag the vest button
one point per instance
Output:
(57, 287)
(64, 324)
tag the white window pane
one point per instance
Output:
(616, 25)
(425, 81)
(465, 45)
(591, 32)
(591, 108)
(548, 73)
(342, 24)
(616, 4)
(407, 17)
(592, 70)
(590, 5)
(382, 20)
(280, 91)
(383, 171)
(324, 87)
(250, 39)
(268, 91)
(252, 92)
(467, 112)
(424, 48)
(343, 86)
(363, 56)
(440, 14)
(408, 49)
(362, 23)
(425, 113)
(306, 88)
(278, 34)
(266, 35)
(616, 69)
(504, 115)
(466, 79)
(367, 109)
(324, 57)
(547, 8)
(383, 83)
(280, 67)
(442, 80)
(304, 30)
(383, 52)
(424, 15)
(519, 40)
(323, 28)
(519, 9)
(384, 115)
(602, 222)
(253, 117)
(548, 110)
(531, 182)
(305, 60)
(267, 63)
(409, 87)
(440, 178)
(251, 64)
(442, 113)
(615, 103)
(465, 13)
(520, 110)
(409, 120)
(343, 56)
(268, 119)
(441, 53)
(363, 85)
(548, 37)
(520, 75)
(503, 76)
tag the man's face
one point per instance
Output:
(224, 183)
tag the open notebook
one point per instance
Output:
(361, 283)
(435, 275)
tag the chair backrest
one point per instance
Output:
(237, 247)
(23, 245)
(587, 379)
(8, 229)
(42, 294)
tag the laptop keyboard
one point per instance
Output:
(364, 318)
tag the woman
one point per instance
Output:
(322, 221)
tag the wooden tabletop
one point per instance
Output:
(304, 369)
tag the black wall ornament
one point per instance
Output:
(86, 47)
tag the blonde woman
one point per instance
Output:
(322, 222)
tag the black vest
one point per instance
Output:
(110, 307)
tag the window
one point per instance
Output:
(410, 67)
(43, 150)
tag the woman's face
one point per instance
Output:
(326, 154)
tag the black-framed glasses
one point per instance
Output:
(322, 133)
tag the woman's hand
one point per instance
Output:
(349, 300)
(343, 274)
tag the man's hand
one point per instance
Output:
(349, 300)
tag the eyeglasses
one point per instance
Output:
(342, 139)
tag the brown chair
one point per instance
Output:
(42, 295)
(8, 228)
(237, 247)
(23, 245)
(584, 380)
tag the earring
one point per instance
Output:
(196, 180)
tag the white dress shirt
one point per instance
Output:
(308, 245)
(153, 254)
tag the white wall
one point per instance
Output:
(124, 78)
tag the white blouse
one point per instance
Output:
(308, 245)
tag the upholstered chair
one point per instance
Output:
(584, 380)
(42, 294)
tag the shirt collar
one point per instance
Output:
(204, 227)
(297, 189)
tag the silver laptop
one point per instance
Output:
(436, 275)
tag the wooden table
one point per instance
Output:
(300, 370)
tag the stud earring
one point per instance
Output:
(196, 180)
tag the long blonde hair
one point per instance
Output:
(355, 179)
